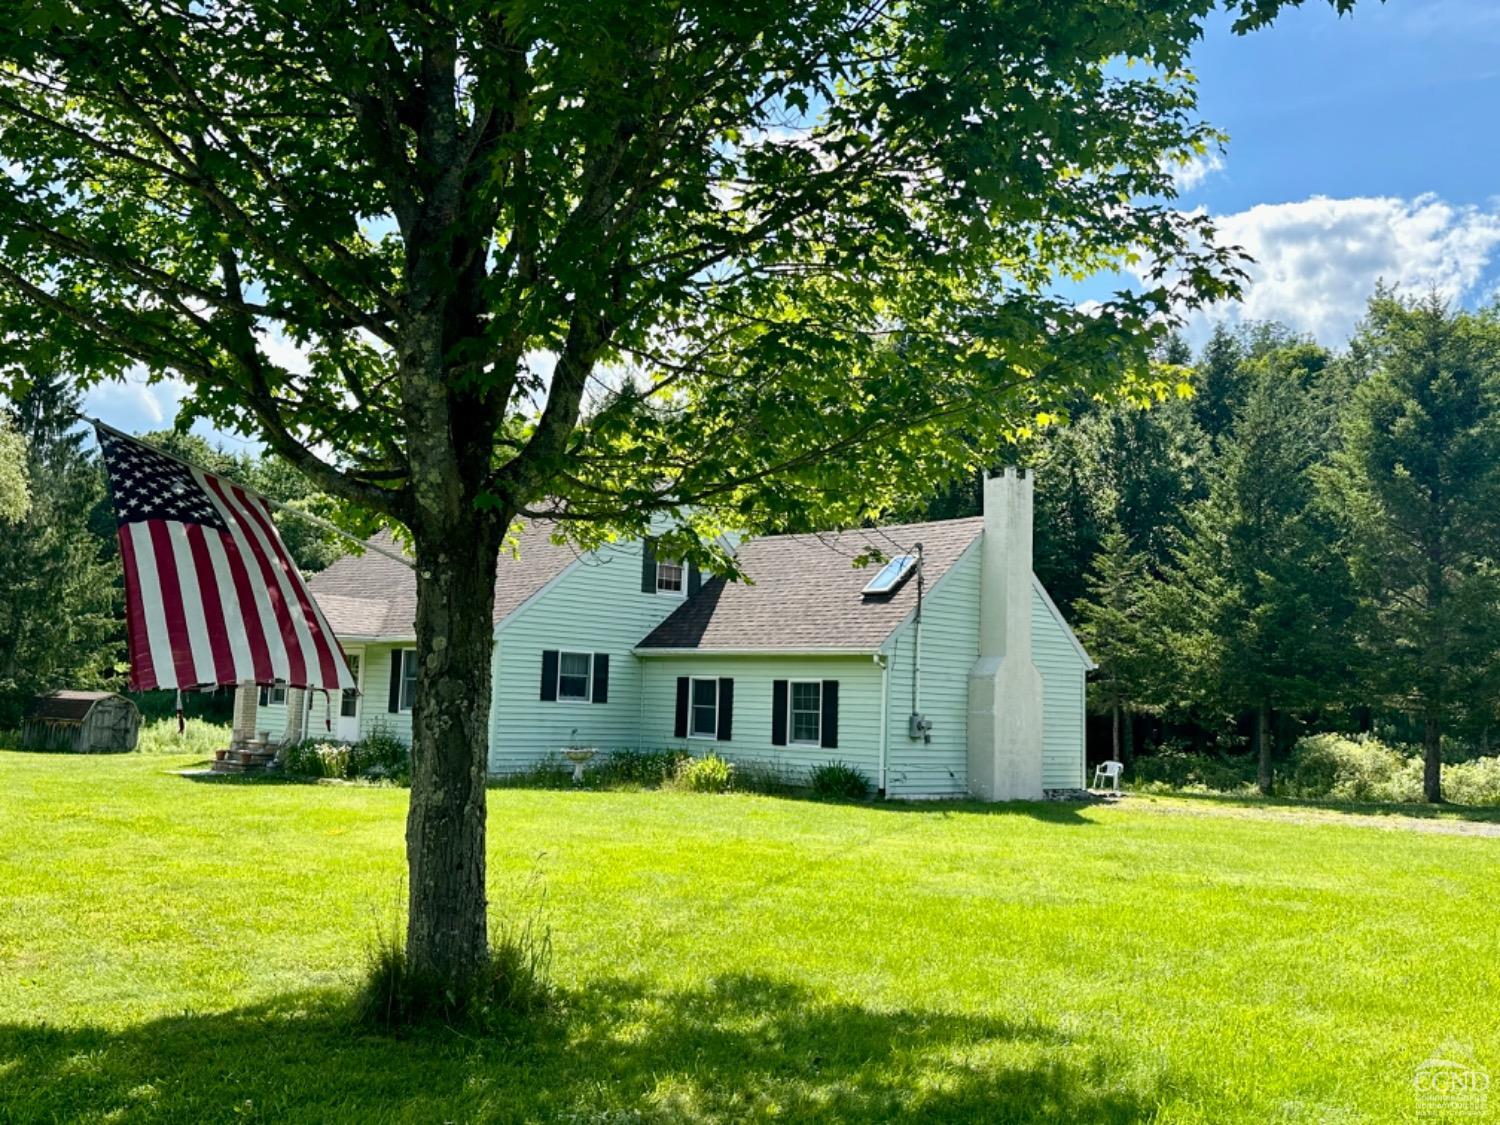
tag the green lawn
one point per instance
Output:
(184, 950)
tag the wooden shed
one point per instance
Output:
(86, 722)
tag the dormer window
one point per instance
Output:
(671, 576)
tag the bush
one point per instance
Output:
(1475, 782)
(198, 738)
(767, 778)
(549, 773)
(511, 985)
(838, 780)
(380, 756)
(634, 767)
(1335, 767)
(708, 774)
(1177, 769)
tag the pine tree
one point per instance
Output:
(1418, 483)
(59, 582)
(1260, 602)
(1113, 626)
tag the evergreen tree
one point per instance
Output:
(1113, 625)
(1259, 601)
(1418, 481)
(59, 586)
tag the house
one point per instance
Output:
(954, 677)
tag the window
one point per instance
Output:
(273, 695)
(408, 657)
(807, 711)
(670, 576)
(573, 670)
(348, 706)
(705, 722)
(891, 576)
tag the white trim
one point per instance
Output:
(693, 707)
(867, 651)
(588, 687)
(682, 567)
(885, 708)
(1088, 661)
(791, 714)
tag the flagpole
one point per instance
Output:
(316, 521)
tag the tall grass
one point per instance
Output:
(199, 738)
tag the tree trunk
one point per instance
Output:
(1127, 739)
(1114, 749)
(447, 927)
(1263, 772)
(1432, 756)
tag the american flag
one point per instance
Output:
(211, 594)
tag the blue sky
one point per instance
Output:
(1360, 148)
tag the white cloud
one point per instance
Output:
(1318, 261)
(1188, 174)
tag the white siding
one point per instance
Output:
(950, 645)
(374, 711)
(859, 709)
(1063, 672)
(596, 606)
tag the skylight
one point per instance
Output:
(891, 575)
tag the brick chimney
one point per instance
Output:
(1005, 688)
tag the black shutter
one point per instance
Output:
(679, 730)
(549, 675)
(648, 566)
(830, 714)
(393, 704)
(601, 677)
(694, 579)
(726, 708)
(778, 713)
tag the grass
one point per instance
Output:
(182, 950)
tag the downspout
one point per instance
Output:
(885, 689)
(916, 666)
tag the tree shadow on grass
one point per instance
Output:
(1476, 813)
(733, 1048)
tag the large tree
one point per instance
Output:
(748, 262)
(1418, 482)
(1258, 601)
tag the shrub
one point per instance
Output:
(549, 773)
(1475, 782)
(511, 985)
(198, 738)
(317, 758)
(1340, 768)
(1177, 769)
(635, 767)
(380, 756)
(708, 774)
(838, 780)
(767, 778)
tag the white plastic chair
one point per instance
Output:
(1110, 772)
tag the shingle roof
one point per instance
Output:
(370, 595)
(806, 593)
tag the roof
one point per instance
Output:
(68, 706)
(371, 595)
(806, 595)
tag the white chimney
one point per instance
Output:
(1005, 688)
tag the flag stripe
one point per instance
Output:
(158, 642)
(194, 606)
(287, 573)
(212, 596)
(329, 665)
(179, 643)
(299, 651)
(137, 644)
(280, 638)
(247, 639)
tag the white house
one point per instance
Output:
(979, 693)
